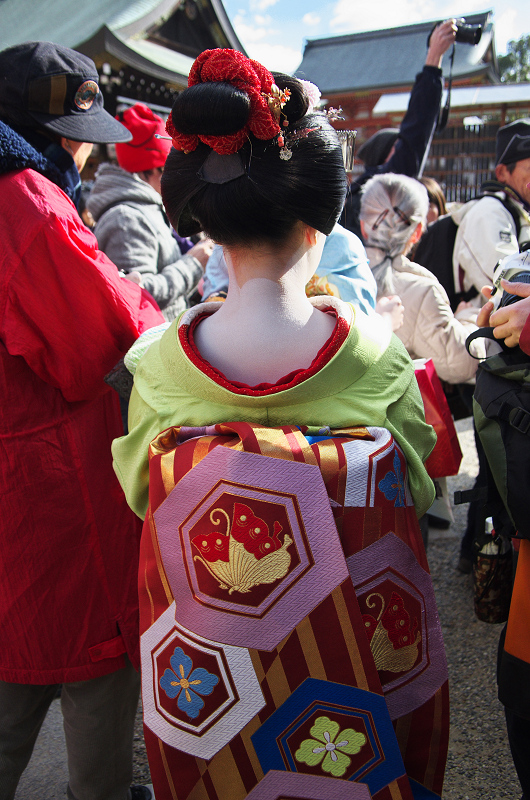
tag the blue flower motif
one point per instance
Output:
(187, 685)
(393, 484)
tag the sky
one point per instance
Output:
(274, 31)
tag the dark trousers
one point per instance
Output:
(99, 717)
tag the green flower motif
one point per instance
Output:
(330, 749)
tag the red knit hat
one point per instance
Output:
(144, 151)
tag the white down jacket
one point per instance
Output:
(486, 234)
(430, 329)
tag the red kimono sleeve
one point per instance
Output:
(524, 339)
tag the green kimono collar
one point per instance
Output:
(367, 340)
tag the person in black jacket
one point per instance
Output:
(404, 150)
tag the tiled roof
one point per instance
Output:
(61, 21)
(381, 59)
(116, 25)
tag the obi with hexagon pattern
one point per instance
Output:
(288, 619)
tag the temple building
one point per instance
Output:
(370, 75)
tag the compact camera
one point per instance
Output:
(512, 268)
(467, 34)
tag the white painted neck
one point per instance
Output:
(267, 327)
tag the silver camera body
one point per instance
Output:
(512, 268)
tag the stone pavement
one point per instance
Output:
(479, 765)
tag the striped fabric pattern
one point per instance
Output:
(339, 659)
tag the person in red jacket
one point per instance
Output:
(68, 572)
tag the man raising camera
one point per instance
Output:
(404, 150)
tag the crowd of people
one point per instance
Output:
(246, 542)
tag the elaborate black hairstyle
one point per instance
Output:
(254, 194)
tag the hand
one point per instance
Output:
(510, 320)
(462, 306)
(392, 309)
(442, 37)
(202, 251)
(134, 276)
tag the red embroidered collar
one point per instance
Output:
(324, 355)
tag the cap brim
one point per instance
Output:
(99, 127)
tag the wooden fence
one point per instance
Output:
(461, 159)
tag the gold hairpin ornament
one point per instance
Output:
(276, 100)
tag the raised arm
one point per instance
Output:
(419, 122)
(442, 37)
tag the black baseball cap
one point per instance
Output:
(43, 84)
(513, 142)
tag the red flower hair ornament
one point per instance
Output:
(266, 100)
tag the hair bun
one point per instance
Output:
(298, 103)
(229, 80)
(211, 109)
(229, 97)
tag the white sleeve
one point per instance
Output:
(486, 235)
(439, 335)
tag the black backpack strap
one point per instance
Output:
(509, 206)
(470, 294)
(481, 333)
(479, 493)
(490, 189)
(487, 333)
(515, 415)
